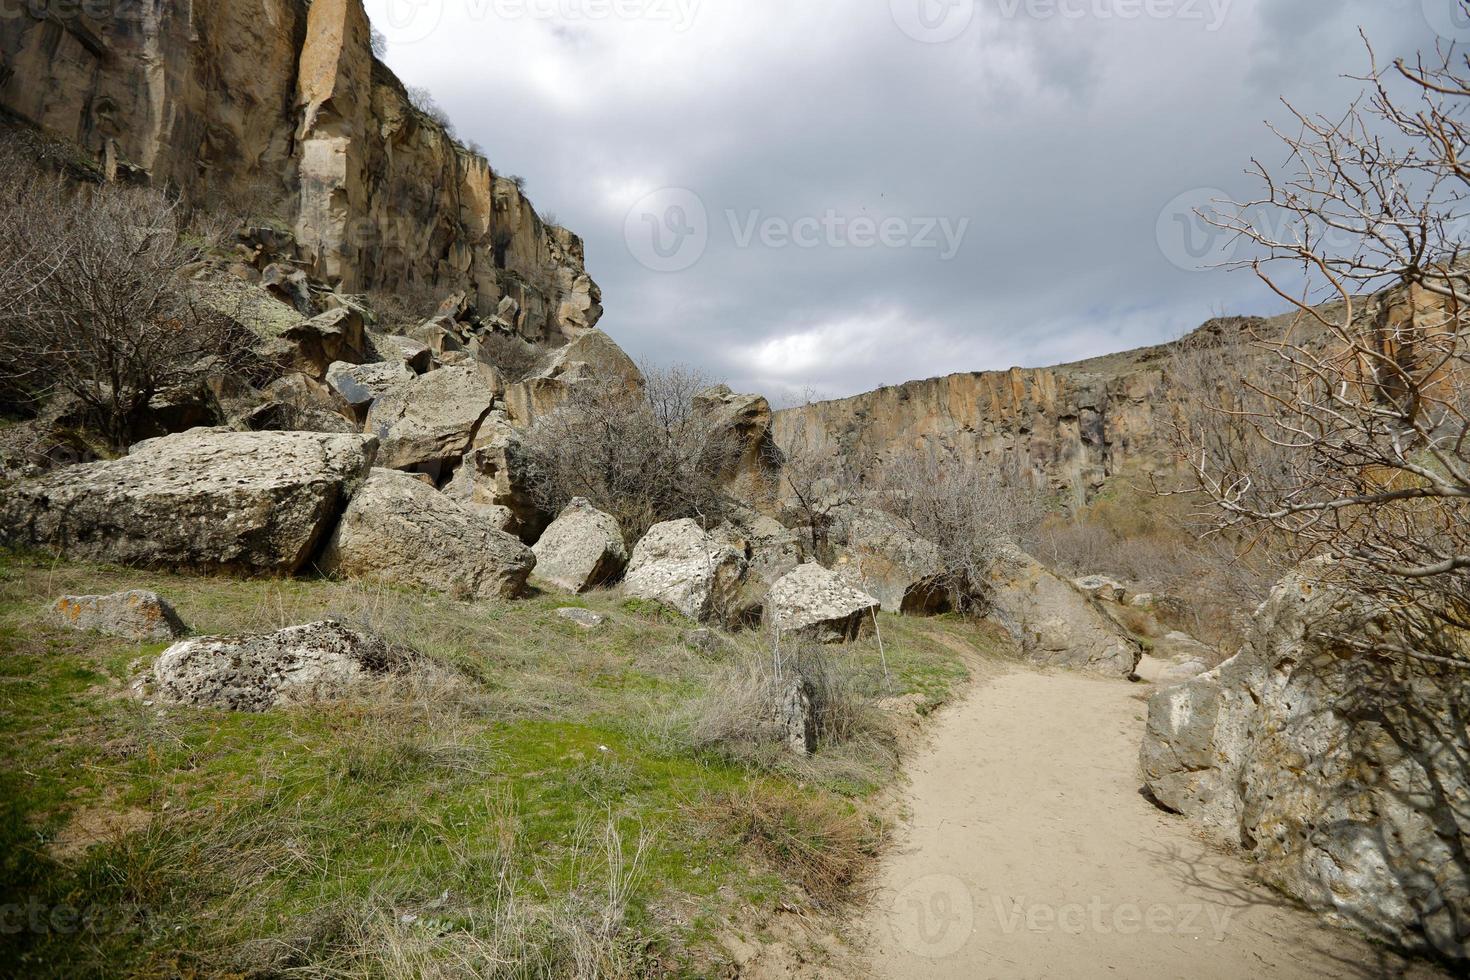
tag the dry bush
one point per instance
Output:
(816, 480)
(643, 457)
(825, 850)
(739, 710)
(95, 307)
(962, 506)
(404, 306)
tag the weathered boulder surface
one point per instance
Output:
(432, 420)
(359, 385)
(1055, 623)
(399, 530)
(752, 471)
(593, 358)
(818, 603)
(1102, 588)
(1342, 772)
(207, 499)
(582, 549)
(495, 480)
(679, 565)
(298, 665)
(889, 561)
(313, 346)
(135, 615)
(585, 618)
(771, 548)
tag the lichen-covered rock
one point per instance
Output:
(818, 603)
(396, 347)
(401, 531)
(592, 358)
(1341, 772)
(1055, 623)
(135, 615)
(585, 618)
(679, 565)
(889, 561)
(1102, 588)
(582, 549)
(792, 713)
(432, 420)
(359, 385)
(771, 548)
(298, 665)
(207, 499)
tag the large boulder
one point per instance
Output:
(433, 420)
(401, 531)
(751, 472)
(495, 479)
(207, 499)
(135, 615)
(298, 665)
(313, 346)
(359, 385)
(1334, 762)
(592, 358)
(820, 604)
(680, 566)
(890, 561)
(1055, 623)
(582, 549)
(771, 548)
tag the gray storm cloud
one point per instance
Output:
(707, 150)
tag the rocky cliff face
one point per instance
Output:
(281, 104)
(1067, 429)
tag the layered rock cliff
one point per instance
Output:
(1066, 429)
(281, 104)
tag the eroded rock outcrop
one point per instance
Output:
(298, 665)
(432, 421)
(592, 358)
(1342, 772)
(281, 107)
(1055, 623)
(889, 561)
(207, 499)
(402, 531)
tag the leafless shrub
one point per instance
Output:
(816, 480)
(1367, 408)
(95, 307)
(963, 507)
(644, 457)
(423, 100)
(740, 710)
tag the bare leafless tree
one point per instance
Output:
(642, 458)
(95, 307)
(815, 480)
(1361, 438)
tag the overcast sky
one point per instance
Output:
(842, 194)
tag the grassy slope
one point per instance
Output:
(536, 811)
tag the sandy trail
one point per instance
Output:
(1031, 853)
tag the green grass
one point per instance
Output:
(528, 808)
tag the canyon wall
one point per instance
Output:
(280, 105)
(1065, 429)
